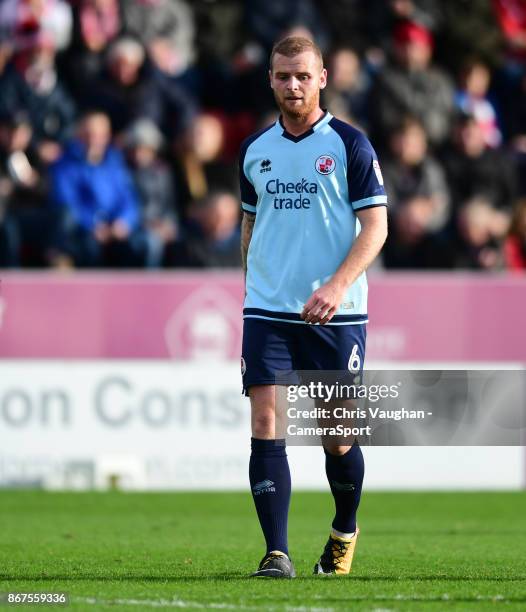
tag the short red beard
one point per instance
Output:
(297, 115)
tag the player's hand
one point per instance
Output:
(323, 304)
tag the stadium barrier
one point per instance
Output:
(414, 317)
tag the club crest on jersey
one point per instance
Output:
(325, 164)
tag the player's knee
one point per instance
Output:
(264, 423)
(335, 449)
(262, 399)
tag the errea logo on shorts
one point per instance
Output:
(325, 164)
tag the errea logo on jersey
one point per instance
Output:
(325, 164)
(265, 166)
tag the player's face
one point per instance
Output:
(296, 82)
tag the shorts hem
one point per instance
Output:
(329, 324)
(265, 381)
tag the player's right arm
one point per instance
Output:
(249, 200)
(247, 225)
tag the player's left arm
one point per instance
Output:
(325, 301)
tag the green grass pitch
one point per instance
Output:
(124, 551)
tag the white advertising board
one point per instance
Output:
(171, 425)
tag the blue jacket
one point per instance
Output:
(91, 194)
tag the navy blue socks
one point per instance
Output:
(270, 483)
(345, 476)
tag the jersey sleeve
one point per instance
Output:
(364, 176)
(249, 197)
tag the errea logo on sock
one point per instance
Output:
(265, 486)
(342, 486)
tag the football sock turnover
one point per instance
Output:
(345, 476)
(270, 483)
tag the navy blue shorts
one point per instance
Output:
(274, 348)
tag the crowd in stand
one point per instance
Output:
(121, 120)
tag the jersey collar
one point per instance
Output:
(325, 118)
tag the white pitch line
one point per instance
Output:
(182, 603)
(430, 598)
(155, 603)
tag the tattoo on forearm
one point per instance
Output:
(247, 225)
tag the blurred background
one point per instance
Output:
(121, 289)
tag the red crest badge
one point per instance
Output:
(325, 164)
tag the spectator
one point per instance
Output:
(473, 169)
(31, 84)
(426, 12)
(9, 240)
(130, 88)
(349, 22)
(23, 193)
(23, 20)
(411, 86)
(126, 89)
(468, 29)
(205, 168)
(155, 188)
(516, 123)
(410, 243)
(511, 15)
(220, 30)
(177, 109)
(517, 116)
(9, 235)
(411, 172)
(213, 237)
(268, 20)
(219, 36)
(347, 92)
(94, 194)
(165, 28)
(515, 243)
(97, 23)
(472, 98)
(382, 16)
(480, 230)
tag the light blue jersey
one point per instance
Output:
(304, 191)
